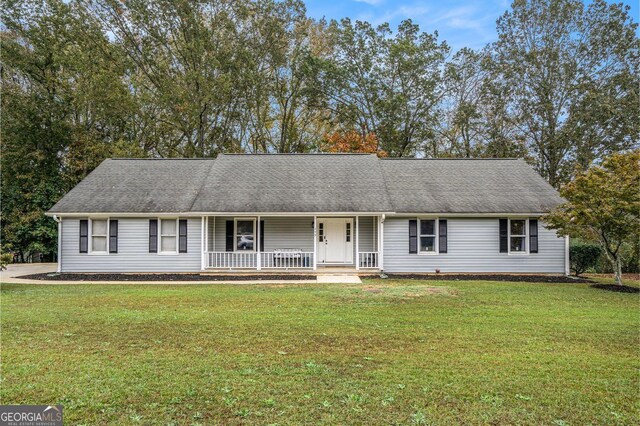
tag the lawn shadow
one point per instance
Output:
(617, 288)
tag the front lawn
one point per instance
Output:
(385, 352)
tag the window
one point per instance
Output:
(517, 235)
(244, 234)
(348, 232)
(320, 232)
(428, 236)
(99, 235)
(168, 229)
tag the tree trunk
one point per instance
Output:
(618, 270)
(614, 258)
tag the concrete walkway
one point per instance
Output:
(16, 270)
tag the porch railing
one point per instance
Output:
(368, 259)
(268, 260)
(232, 259)
(287, 260)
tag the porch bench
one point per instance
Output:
(289, 257)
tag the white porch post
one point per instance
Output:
(315, 243)
(258, 254)
(381, 243)
(202, 247)
(59, 220)
(206, 242)
(378, 241)
(357, 244)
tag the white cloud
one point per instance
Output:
(370, 2)
(459, 22)
(413, 12)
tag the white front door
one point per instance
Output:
(335, 241)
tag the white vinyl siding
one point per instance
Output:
(473, 246)
(133, 250)
(367, 233)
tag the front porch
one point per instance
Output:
(334, 244)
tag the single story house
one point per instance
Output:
(310, 212)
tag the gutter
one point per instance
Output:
(199, 214)
(239, 214)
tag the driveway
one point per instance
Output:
(17, 269)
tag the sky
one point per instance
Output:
(470, 23)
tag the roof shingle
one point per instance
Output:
(294, 183)
(310, 183)
(137, 186)
(467, 186)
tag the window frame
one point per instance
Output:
(436, 244)
(235, 234)
(525, 236)
(159, 246)
(90, 250)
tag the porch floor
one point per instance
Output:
(322, 270)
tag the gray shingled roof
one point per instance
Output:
(137, 186)
(294, 183)
(467, 186)
(310, 183)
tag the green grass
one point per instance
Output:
(385, 352)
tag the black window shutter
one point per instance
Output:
(229, 236)
(182, 236)
(84, 236)
(153, 235)
(413, 236)
(442, 233)
(504, 236)
(262, 235)
(533, 235)
(113, 236)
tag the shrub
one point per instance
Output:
(5, 259)
(584, 256)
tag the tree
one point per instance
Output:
(571, 78)
(186, 70)
(64, 109)
(603, 204)
(215, 76)
(352, 141)
(286, 112)
(461, 123)
(385, 84)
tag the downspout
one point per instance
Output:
(381, 242)
(567, 262)
(59, 256)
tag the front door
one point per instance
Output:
(335, 241)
